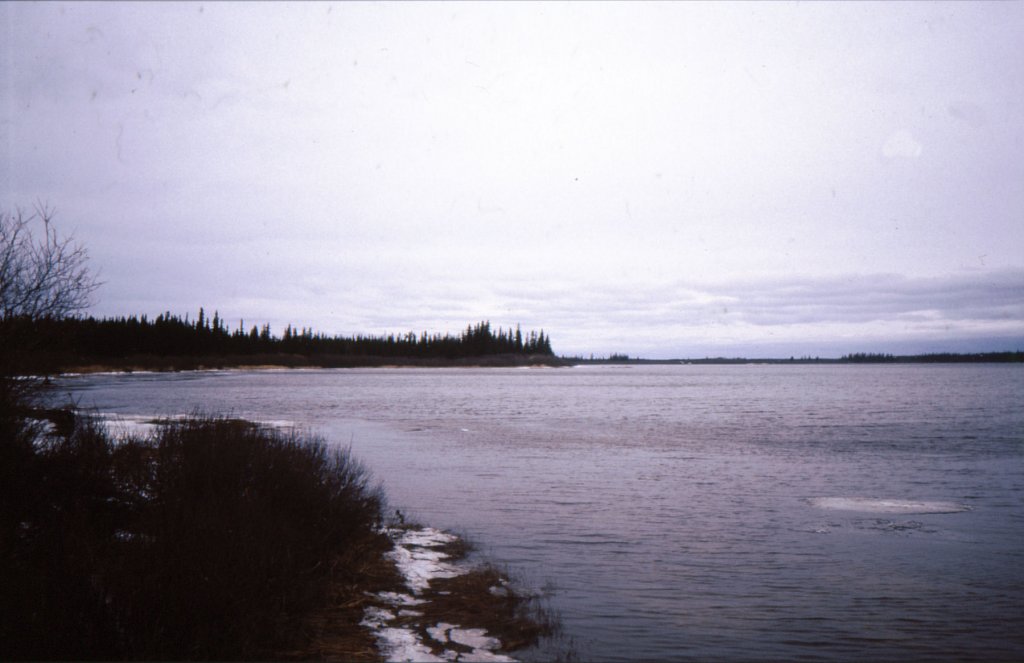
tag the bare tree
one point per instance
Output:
(42, 274)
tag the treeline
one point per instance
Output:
(170, 335)
(869, 358)
(934, 358)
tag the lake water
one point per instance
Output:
(831, 512)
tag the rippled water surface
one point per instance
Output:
(831, 512)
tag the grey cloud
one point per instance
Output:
(999, 295)
(747, 314)
(342, 170)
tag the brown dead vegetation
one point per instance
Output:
(486, 598)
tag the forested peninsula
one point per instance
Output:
(205, 537)
(172, 342)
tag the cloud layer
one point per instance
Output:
(832, 315)
(657, 178)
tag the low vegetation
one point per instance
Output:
(212, 538)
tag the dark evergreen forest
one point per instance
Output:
(80, 340)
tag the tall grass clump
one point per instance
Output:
(209, 539)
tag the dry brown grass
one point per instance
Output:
(485, 598)
(334, 633)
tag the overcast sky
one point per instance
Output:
(662, 179)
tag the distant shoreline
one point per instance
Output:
(171, 364)
(933, 358)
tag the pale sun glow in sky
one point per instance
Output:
(660, 179)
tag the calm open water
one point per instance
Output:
(832, 512)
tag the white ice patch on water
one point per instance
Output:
(127, 425)
(134, 425)
(280, 424)
(877, 505)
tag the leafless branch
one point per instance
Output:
(42, 274)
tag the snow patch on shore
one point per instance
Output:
(482, 644)
(418, 562)
(417, 558)
(396, 599)
(402, 644)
